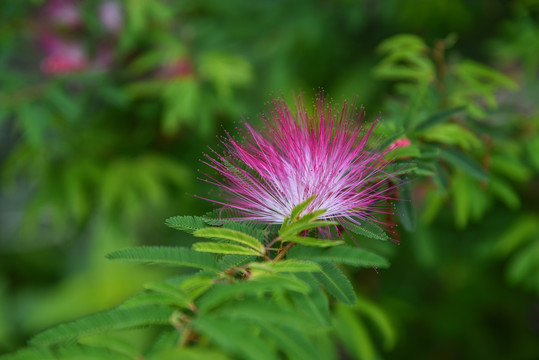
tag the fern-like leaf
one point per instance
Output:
(271, 283)
(167, 256)
(299, 226)
(341, 254)
(66, 353)
(153, 298)
(175, 353)
(262, 312)
(290, 265)
(234, 336)
(188, 224)
(115, 319)
(315, 304)
(209, 247)
(293, 343)
(233, 261)
(367, 228)
(298, 209)
(336, 283)
(309, 241)
(231, 235)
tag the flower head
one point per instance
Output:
(298, 154)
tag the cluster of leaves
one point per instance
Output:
(258, 293)
(466, 156)
(170, 79)
(89, 151)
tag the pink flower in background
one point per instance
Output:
(63, 54)
(62, 57)
(404, 142)
(110, 15)
(298, 154)
(63, 12)
(179, 68)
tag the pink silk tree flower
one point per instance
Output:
(399, 143)
(298, 154)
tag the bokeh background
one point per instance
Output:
(107, 106)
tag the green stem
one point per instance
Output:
(272, 242)
(283, 252)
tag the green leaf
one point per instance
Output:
(294, 344)
(524, 267)
(391, 139)
(309, 241)
(402, 41)
(424, 168)
(511, 166)
(231, 235)
(181, 103)
(524, 228)
(379, 318)
(181, 296)
(187, 354)
(298, 209)
(430, 152)
(309, 217)
(440, 178)
(410, 151)
(353, 333)
(224, 249)
(195, 285)
(306, 222)
(64, 103)
(452, 134)
(258, 231)
(343, 255)
(225, 71)
(405, 208)
(113, 342)
(234, 336)
(334, 281)
(66, 353)
(263, 283)
(504, 192)
(232, 261)
(115, 319)
(153, 298)
(285, 281)
(298, 227)
(462, 206)
(264, 311)
(165, 340)
(291, 265)
(394, 170)
(186, 223)
(367, 228)
(315, 304)
(438, 118)
(532, 147)
(167, 256)
(465, 163)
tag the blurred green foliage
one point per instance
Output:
(106, 107)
